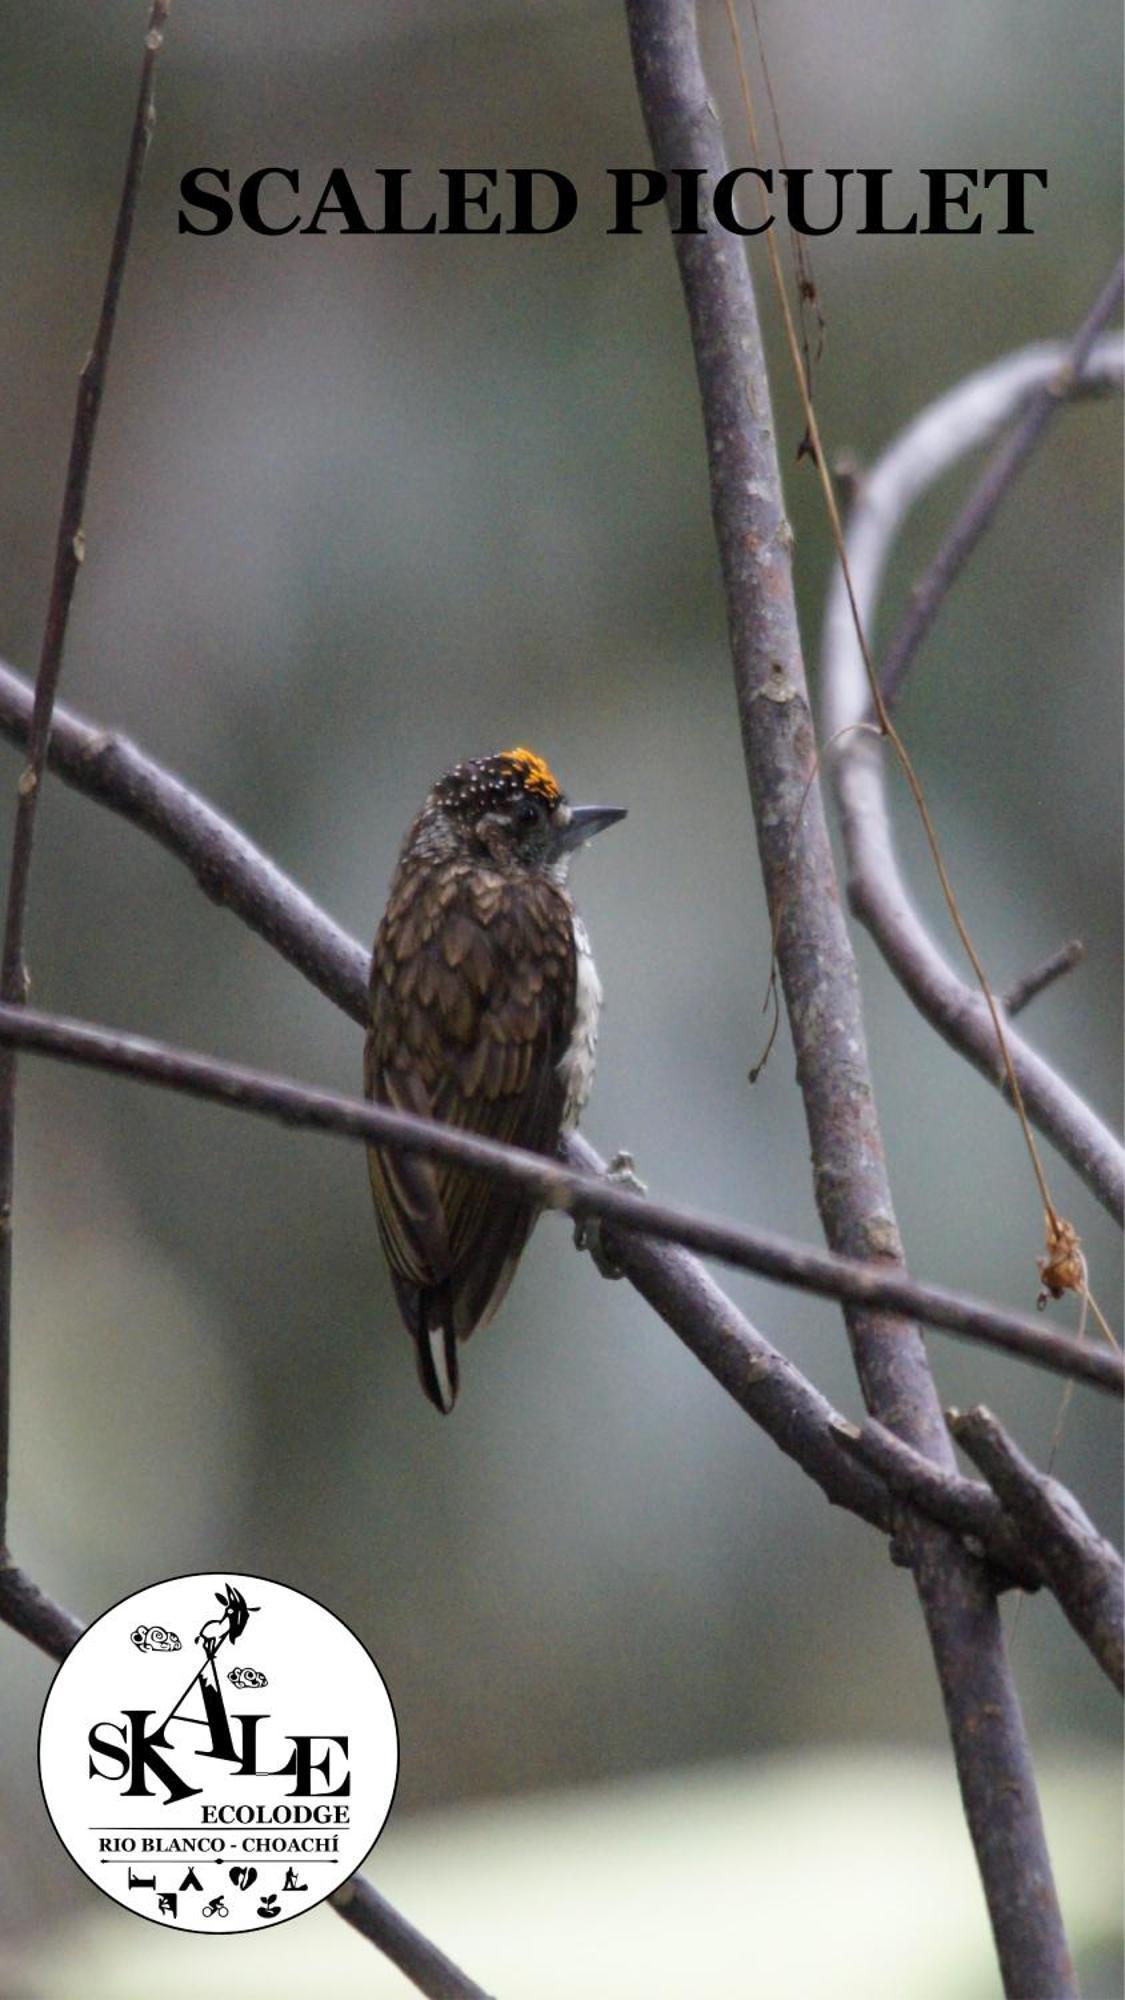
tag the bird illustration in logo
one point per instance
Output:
(230, 1625)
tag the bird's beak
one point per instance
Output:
(584, 823)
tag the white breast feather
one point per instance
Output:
(577, 1066)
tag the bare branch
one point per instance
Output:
(559, 1187)
(950, 427)
(69, 554)
(820, 981)
(361, 1905)
(801, 1421)
(998, 477)
(1081, 1567)
(24, 1607)
(963, 1504)
(227, 866)
(1032, 1530)
(1039, 977)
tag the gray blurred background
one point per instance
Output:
(361, 507)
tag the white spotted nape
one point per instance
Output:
(577, 1066)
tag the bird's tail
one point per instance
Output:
(428, 1312)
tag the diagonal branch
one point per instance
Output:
(1083, 1570)
(950, 427)
(999, 475)
(369, 1913)
(1036, 980)
(69, 553)
(226, 865)
(820, 982)
(558, 1186)
(25, 1608)
(1039, 1530)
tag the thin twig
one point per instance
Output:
(1083, 1569)
(799, 1265)
(69, 554)
(957, 423)
(820, 982)
(1036, 981)
(361, 1905)
(997, 479)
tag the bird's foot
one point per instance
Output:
(588, 1230)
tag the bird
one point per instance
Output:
(484, 1004)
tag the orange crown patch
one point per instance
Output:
(534, 772)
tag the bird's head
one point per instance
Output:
(509, 811)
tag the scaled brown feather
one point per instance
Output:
(472, 1000)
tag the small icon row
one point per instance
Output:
(243, 1878)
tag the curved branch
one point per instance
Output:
(874, 1286)
(228, 867)
(998, 477)
(950, 427)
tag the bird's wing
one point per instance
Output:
(472, 998)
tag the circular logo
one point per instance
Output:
(218, 1753)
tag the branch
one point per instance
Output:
(559, 1187)
(24, 1607)
(70, 548)
(1032, 1530)
(227, 866)
(963, 1504)
(1082, 1568)
(1036, 981)
(998, 477)
(950, 427)
(820, 982)
(361, 1905)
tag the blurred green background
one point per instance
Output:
(361, 507)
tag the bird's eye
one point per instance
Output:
(528, 814)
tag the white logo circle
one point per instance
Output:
(218, 1753)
